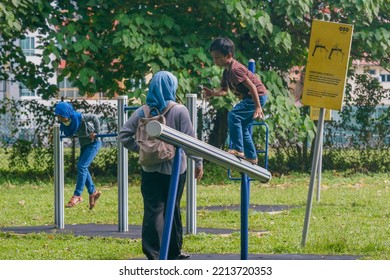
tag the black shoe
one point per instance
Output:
(183, 255)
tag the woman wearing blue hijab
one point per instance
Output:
(85, 127)
(155, 179)
(162, 90)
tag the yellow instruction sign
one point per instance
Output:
(327, 64)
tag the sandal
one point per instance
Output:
(92, 199)
(236, 153)
(74, 201)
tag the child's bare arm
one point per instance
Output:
(214, 92)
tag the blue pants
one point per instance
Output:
(87, 154)
(240, 120)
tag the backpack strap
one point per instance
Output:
(169, 107)
(147, 109)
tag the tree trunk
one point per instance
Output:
(219, 133)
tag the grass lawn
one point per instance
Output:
(353, 218)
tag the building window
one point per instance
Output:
(2, 86)
(25, 92)
(28, 46)
(2, 89)
(385, 78)
(67, 90)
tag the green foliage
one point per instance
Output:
(106, 163)
(359, 123)
(340, 159)
(109, 46)
(26, 126)
(287, 126)
(16, 17)
(363, 161)
(290, 129)
(21, 150)
(107, 42)
(359, 140)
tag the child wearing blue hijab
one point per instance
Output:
(85, 127)
(155, 179)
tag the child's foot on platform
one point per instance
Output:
(74, 201)
(236, 153)
(92, 199)
(252, 160)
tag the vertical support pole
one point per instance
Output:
(314, 166)
(245, 181)
(251, 65)
(266, 146)
(319, 173)
(123, 194)
(191, 181)
(58, 178)
(170, 206)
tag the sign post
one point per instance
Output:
(315, 115)
(326, 73)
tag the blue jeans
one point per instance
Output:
(87, 154)
(240, 120)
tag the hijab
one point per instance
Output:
(162, 90)
(65, 110)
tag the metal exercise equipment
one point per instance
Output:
(123, 182)
(193, 146)
(123, 225)
(196, 147)
(170, 208)
(122, 171)
(245, 182)
(58, 178)
(190, 180)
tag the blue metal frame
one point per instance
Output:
(131, 108)
(245, 184)
(265, 151)
(170, 207)
(98, 136)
